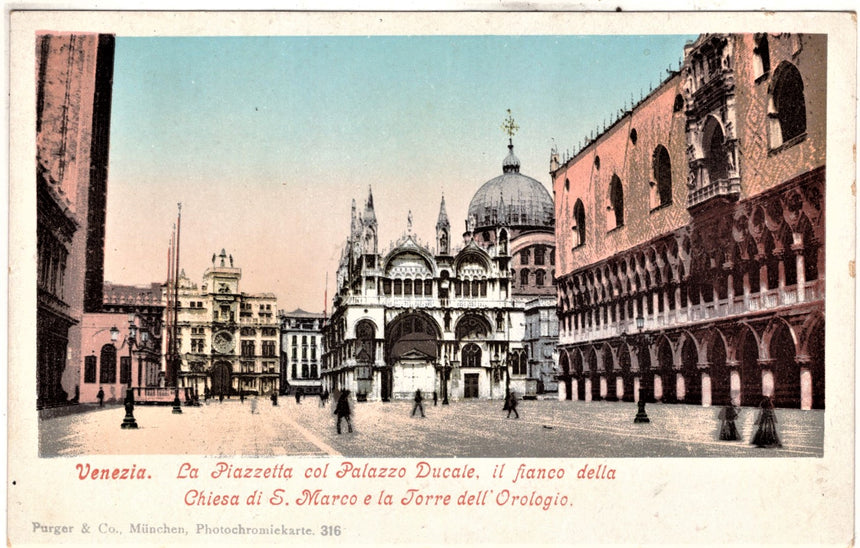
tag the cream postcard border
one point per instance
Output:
(654, 500)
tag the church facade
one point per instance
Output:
(691, 234)
(439, 319)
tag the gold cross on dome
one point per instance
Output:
(510, 127)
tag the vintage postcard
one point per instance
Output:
(431, 278)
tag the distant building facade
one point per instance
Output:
(439, 319)
(227, 341)
(301, 351)
(73, 104)
(691, 234)
(107, 363)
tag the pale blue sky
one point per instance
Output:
(266, 140)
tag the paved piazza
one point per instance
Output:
(547, 428)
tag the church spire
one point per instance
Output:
(443, 231)
(368, 222)
(369, 217)
(442, 221)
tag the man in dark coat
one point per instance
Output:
(342, 410)
(418, 405)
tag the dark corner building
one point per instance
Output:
(74, 75)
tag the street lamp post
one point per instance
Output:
(642, 340)
(129, 422)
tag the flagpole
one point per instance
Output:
(174, 355)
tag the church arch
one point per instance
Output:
(412, 333)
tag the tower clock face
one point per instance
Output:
(222, 342)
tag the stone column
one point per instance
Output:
(801, 272)
(805, 387)
(587, 389)
(619, 387)
(637, 383)
(767, 381)
(658, 387)
(735, 385)
(680, 387)
(706, 388)
(604, 389)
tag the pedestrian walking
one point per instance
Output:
(274, 398)
(298, 395)
(512, 406)
(101, 397)
(325, 396)
(221, 397)
(435, 398)
(766, 435)
(254, 406)
(242, 396)
(418, 405)
(342, 410)
(728, 430)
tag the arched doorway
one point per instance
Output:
(815, 349)
(751, 387)
(609, 372)
(786, 373)
(220, 378)
(594, 375)
(690, 371)
(564, 362)
(626, 375)
(578, 373)
(667, 372)
(721, 381)
(411, 351)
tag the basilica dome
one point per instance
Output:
(511, 199)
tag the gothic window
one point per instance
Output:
(679, 103)
(365, 333)
(471, 327)
(716, 159)
(428, 288)
(500, 321)
(248, 349)
(661, 190)
(108, 364)
(539, 255)
(305, 371)
(407, 287)
(295, 371)
(616, 202)
(539, 278)
(524, 277)
(471, 355)
(579, 224)
(268, 348)
(634, 136)
(398, 287)
(761, 57)
(503, 242)
(566, 184)
(787, 106)
(525, 256)
(90, 369)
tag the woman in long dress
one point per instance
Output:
(728, 430)
(766, 435)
